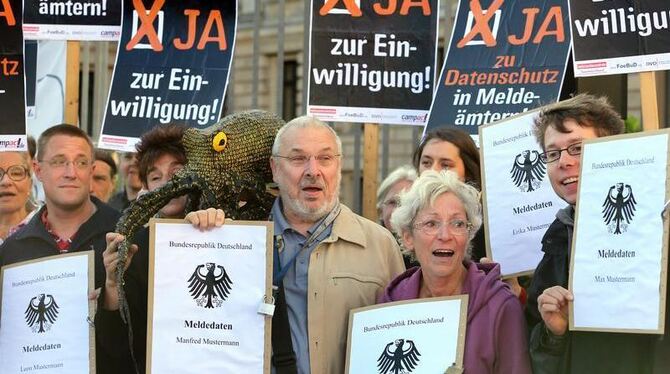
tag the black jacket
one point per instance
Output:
(34, 241)
(577, 352)
(119, 201)
(111, 331)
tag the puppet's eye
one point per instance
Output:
(219, 142)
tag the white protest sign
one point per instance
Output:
(417, 336)
(205, 289)
(619, 251)
(45, 310)
(519, 202)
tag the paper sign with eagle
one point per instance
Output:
(519, 203)
(205, 289)
(422, 336)
(44, 320)
(620, 240)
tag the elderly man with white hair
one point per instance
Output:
(327, 260)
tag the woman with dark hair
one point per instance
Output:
(160, 155)
(447, 148)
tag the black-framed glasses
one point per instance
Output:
(553, 155)
(16, 173)
(432, 226)
(302, 160)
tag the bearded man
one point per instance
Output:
(328, 259)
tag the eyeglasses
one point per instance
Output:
(302, 160)
(80, 163)
(432, 226)
(553, 155)
(392, 202)
(16, 173)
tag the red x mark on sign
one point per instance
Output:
(146, 27)
(351, 6)
(481, 25)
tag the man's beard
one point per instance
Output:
(306, 213)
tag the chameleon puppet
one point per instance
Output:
(227, 167)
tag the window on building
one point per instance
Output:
(290, 90)
(86, 117)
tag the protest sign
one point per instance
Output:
(72, 19)
(45, 314)
(205, 289)
(12, 93)
(504, 57)
(619, 256)
(172, 66)
(620, 36)
(519, 202)
(417, 336)
(372, 62)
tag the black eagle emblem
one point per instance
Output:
(41, 313)
(209, 289)
(528, 170)
(619, 206)
(402, 359)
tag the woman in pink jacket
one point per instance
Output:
(437, 219)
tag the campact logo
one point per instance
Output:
(414, 118)
(112, 34)
(14, 144)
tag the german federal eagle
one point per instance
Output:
(41, 313)
(211, 287)
(619, 205)
(402, 359)
(527, 172)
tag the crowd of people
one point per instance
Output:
(329, 260)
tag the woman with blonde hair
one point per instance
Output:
(15, 187)
(436, 220)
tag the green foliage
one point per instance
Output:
(632, 124)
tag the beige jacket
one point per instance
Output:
(346, 271)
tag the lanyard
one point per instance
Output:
(280, 271)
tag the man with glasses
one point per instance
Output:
(328, 259)
(71, 220)
(560, 129)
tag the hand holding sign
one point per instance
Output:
(553, 307)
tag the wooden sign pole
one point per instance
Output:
(370, 168)
(72, 84)
(649, 100)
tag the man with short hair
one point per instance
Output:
(104, 175)
(560, 129)
(70, 220)
(131, 182)
(330, 260)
